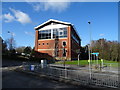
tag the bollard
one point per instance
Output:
(24, 65)
(32, 67)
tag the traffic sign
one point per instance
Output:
(95, 53)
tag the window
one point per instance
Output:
(60, 33)
(75, 37)
(39, 43)
(43, 43)
(57, 33)
(64, 43)
(44, 34)
(47, 43)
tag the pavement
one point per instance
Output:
(86, 68)
(10, 63)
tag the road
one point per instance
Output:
(13, 79)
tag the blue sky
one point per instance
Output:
(21, 18)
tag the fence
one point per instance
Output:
(82, 77)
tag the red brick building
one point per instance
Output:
(57, 39)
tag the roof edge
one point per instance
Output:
(50, 21)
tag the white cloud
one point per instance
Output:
(56, 6)
(8, 17)
(29, 33)
(59, 5)
(60, 0)
(21, 16)
(101, 34)
(1, 17)
(13, 34)
(37, 7)
(17, 16)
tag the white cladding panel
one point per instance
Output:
(53, 26)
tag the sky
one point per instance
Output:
(20, 18)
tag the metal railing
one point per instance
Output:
(82, 77)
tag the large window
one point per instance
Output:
(45, 34)
(53, 33)
(74, 36)
(60, 33)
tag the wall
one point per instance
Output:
(74, 49)
(49, 48)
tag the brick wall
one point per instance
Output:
(49, 45)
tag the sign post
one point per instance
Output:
(89, 68)
(78, 59)
(96, 55)
(97, 58)
(102, 62)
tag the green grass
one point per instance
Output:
(82, 62)
(85, 62)
(106, 62)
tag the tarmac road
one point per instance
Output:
(12, 79)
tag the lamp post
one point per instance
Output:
(90, 58)
(89, 61)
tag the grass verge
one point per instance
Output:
(85, 62)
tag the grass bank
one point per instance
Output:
(85, 62)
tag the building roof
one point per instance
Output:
(56, 21)
(49, 21)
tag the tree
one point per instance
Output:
(10, 43)
(20, 49)
(4, 46)
(115, 51)
(108, 50)
(10, 46)
(84, 53)
(33, 51)
(27, 50)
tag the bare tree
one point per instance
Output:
(108, 49)
(10, 43)
(20, 49)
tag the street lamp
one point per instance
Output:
(89, 50)
(89, 61)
